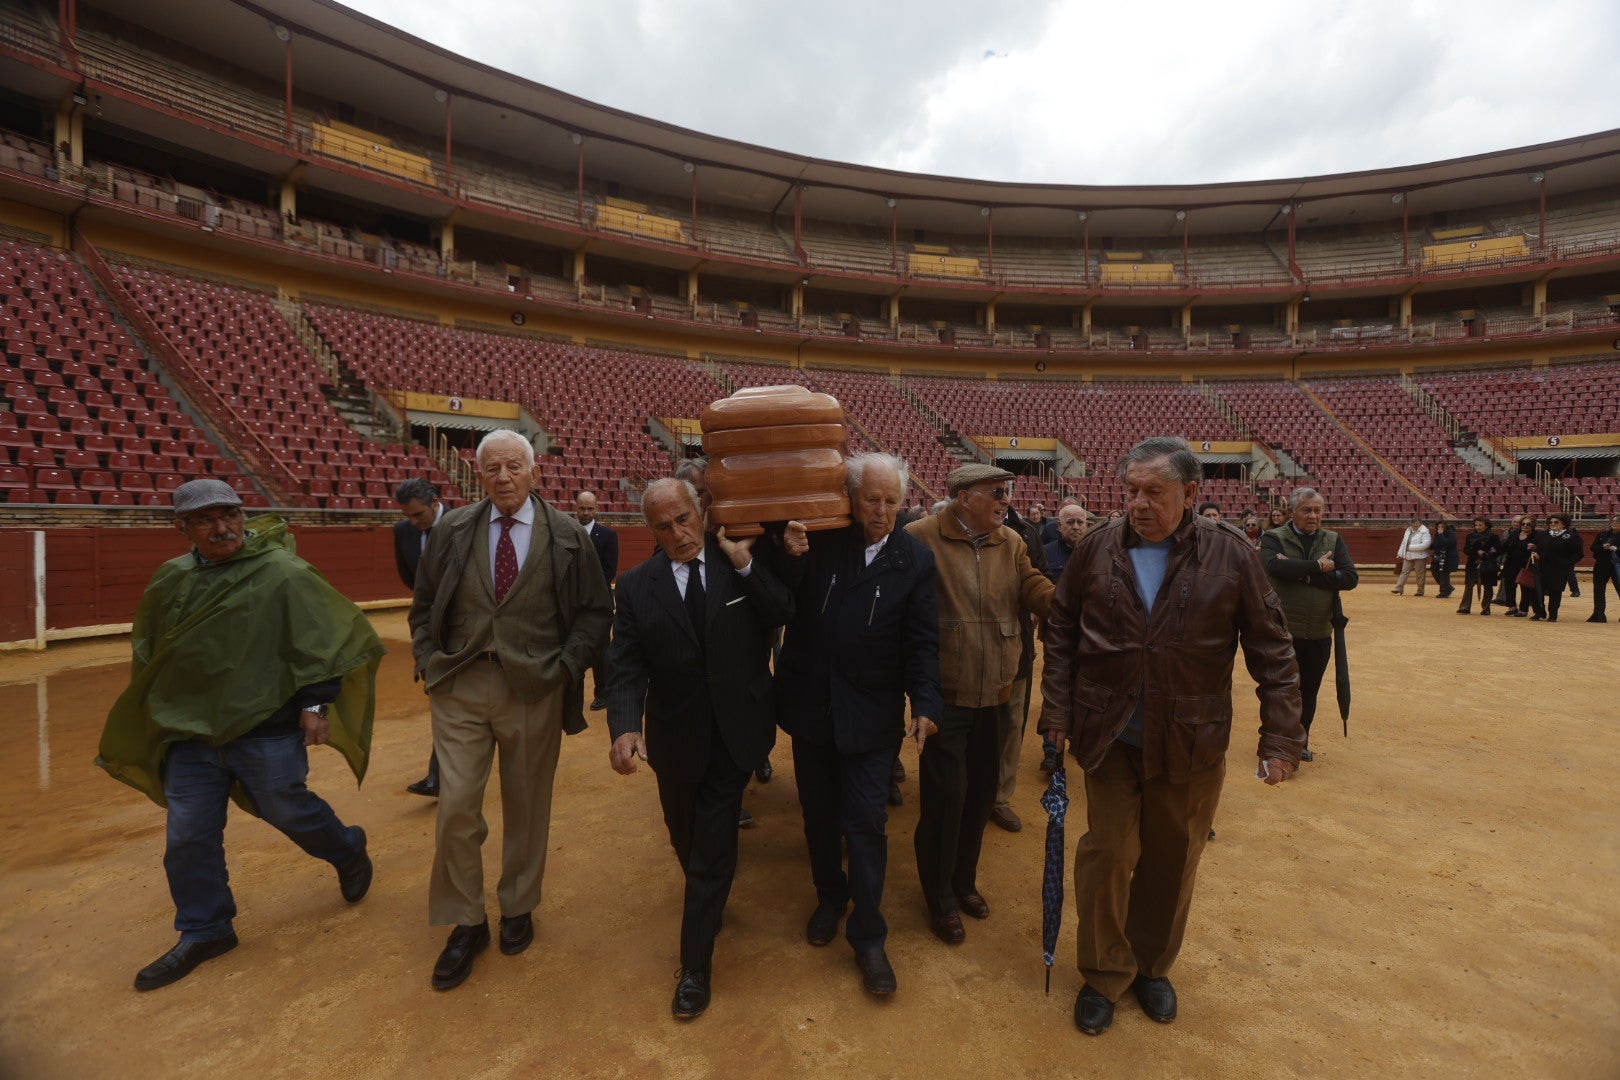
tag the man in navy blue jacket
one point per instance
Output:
(865, 635)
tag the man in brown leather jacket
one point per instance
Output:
(1139, 648)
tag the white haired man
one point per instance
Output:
(510, 611)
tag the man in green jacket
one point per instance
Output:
(1309, 566)
(244, 656)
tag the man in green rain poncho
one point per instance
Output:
(244, 656)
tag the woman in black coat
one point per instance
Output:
(1443, 556)
(1482, 550)
(1557, 551)
(1515, 557)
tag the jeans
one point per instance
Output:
(197, 781)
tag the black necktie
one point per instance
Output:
(694, 597)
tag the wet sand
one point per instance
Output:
(1434, 896)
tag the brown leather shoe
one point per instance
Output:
(1006, 818)
(974, 905)
(948, 928)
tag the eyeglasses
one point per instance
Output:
(999, 494)
(195, 521)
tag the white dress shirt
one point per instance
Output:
(873, 549)
(683, 569)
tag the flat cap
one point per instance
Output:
(196, 495)
(965, 476)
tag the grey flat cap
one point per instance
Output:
(196, 495)
(965, 476)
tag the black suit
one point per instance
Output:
(606, 543)
(407, 551)
(862, 638)
(408, 545)
(710, 715)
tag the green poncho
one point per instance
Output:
(219, 648)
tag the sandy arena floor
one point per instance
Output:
(1435, 896)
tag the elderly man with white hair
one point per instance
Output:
(510, 610)
(864, 638)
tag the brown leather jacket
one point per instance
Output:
(1101, 651)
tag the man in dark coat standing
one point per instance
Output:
(865, 634)
(419, 501)
(691, 652)
(1605, 568)
(606, 543)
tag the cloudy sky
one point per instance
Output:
(1070, 91)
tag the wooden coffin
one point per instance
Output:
(776, 453)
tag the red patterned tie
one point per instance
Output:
(506, 567)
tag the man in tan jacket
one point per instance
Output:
(510, 610)
(985, 578)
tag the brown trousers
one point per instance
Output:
(472, 715)
(1134, 868)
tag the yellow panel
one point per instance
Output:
(1462, 233)
(1465, 251)
(620, 219)
(944, 265)
(626, 204)
(1553, 442)
(456, 406)
(682, 427)
(930, 249)
(1014, 442)
(1122, 256)
(359, 132)
(1213, 446)
(372, 151)
(1138, 273)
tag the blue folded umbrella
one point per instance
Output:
(1056, 804)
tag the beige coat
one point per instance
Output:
(980, 593)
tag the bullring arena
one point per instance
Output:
(312, 286)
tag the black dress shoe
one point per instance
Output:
(597, 704)
(876, 974)
(355, 878)
(1156, 996)
(823, 924)
(896, 797)
(181, 960)
(764, 773)
(456, 961)
(745, 820)
(1050, 761)
(1093, 1013)
(948, 928)
(691, 994)
(974, 905)
(428, 785)
(1306, 755)
(1598, 618)
(516, 933)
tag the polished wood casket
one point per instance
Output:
(776, 453)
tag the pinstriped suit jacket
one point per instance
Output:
(685, 692)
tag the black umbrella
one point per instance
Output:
(1056, 803)
(1341, 662)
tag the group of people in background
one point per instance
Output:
(1526, 569)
